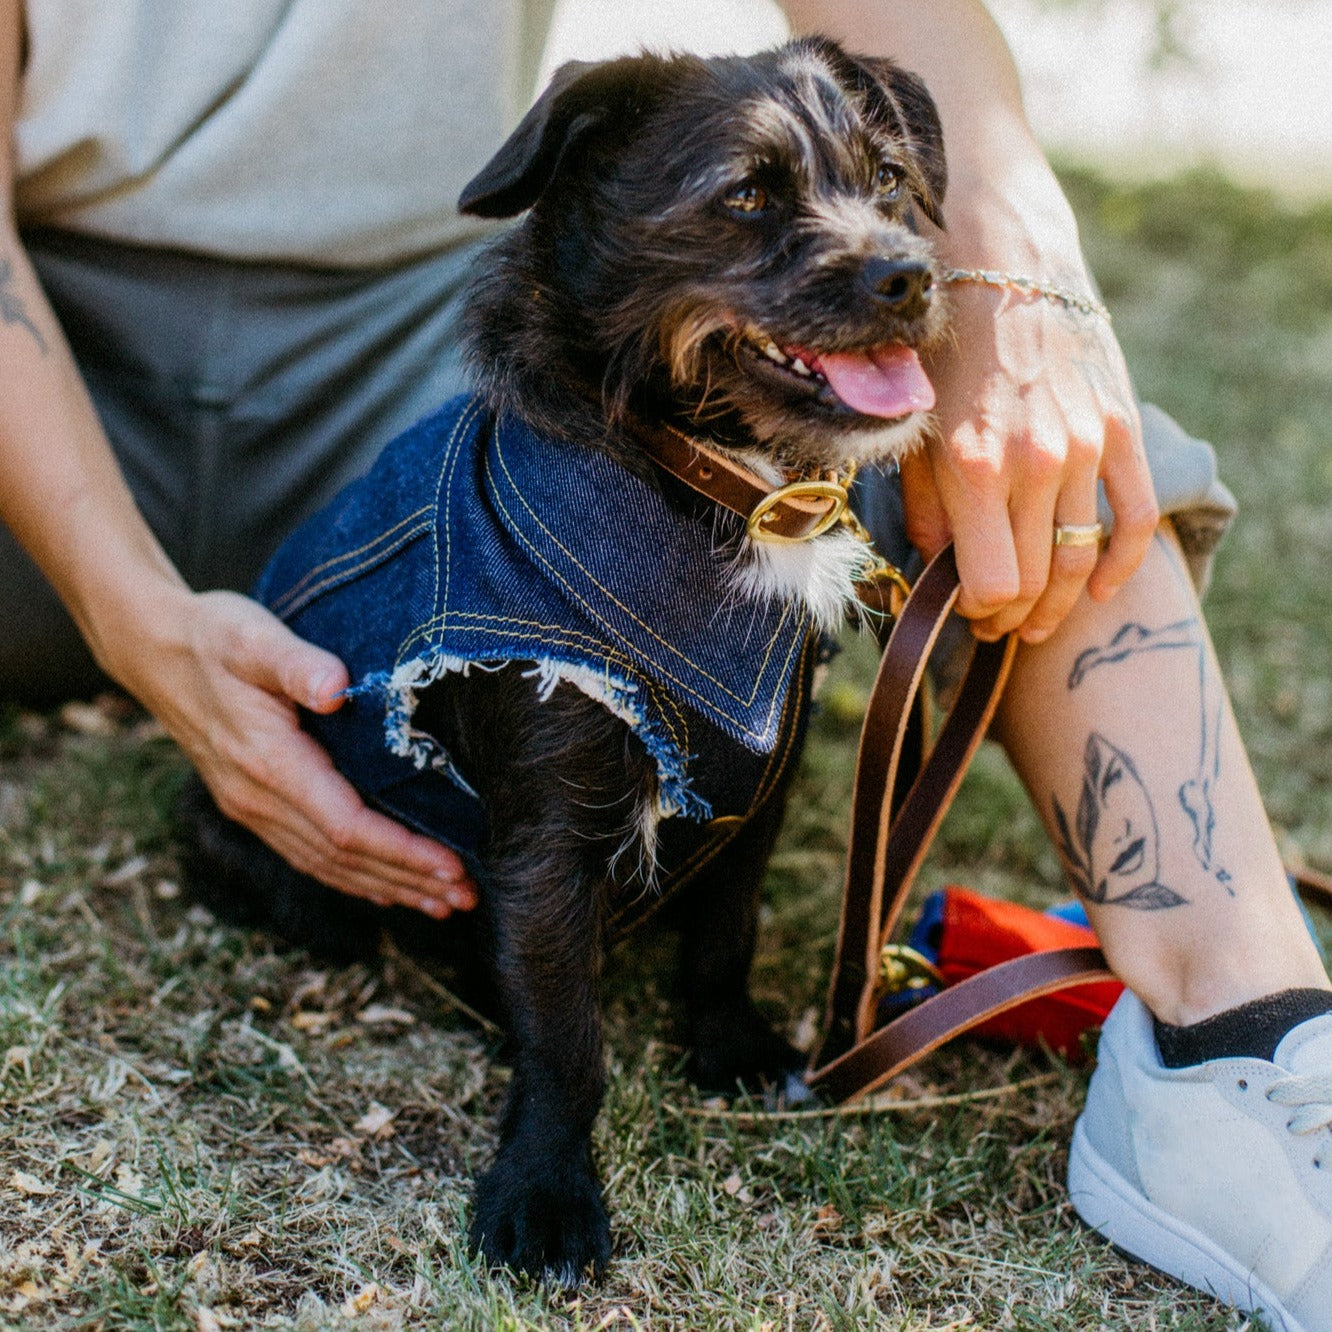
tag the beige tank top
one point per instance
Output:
(330, 132)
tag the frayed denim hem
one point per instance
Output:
(400, 688)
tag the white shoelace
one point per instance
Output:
(1311, 1095)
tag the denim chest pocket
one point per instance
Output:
(383, 515)
(302, 574)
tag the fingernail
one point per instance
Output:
(434, 908)
(323, 690)
(1034, 636)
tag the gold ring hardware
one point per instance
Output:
(850, 519)
(879, 571)
(831, 490)
(903, 970)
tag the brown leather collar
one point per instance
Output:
(798, 510)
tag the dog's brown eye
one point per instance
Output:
(887, 181)
(748, 198)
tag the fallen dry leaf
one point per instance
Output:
(30, 1184)
(312, 1022)
(17, 1055)
(381, 1015)
(363, 1299)
(376, 1121)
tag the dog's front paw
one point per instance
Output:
(541, 1216)
(736, 1049)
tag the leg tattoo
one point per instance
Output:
(1113, 852)
(1195, 795)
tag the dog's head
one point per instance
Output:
(723, 243)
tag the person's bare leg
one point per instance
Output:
(1120, 727)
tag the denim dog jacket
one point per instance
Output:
(474, 543)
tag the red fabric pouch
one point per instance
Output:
(976, 932)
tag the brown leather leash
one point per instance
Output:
(893, 819)
(892, 826)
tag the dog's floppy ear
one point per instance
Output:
(901, 102)
(581, 95)
(919, 117)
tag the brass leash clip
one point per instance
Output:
(905, 971)
(884, 581)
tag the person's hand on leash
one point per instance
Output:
(229, 694)
(1034, 407)
(1034, 403)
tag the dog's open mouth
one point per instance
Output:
(886, 381)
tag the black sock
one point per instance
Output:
(1254, 1029)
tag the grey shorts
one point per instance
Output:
(240, 397)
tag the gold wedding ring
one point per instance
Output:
(1078, 534)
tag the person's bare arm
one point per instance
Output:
(223, 675)
(1034, 399)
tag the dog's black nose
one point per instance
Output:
(903, 285)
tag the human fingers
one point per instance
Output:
(270, 775)
(973, 477)
(314, 818)
(1132, 500)
(1054, 575)
(1071, 564)
(927, 526)
(261, 650)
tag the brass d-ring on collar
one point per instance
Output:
(803, 508)
(757, 525)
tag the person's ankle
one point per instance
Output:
(1201, 993)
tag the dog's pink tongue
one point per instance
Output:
(883, 381)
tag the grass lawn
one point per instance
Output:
(198, 1131)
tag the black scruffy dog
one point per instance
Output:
(723, 247)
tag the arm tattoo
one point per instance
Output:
(12, 310)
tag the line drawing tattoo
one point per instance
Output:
(1113, 851)
(1195, 795)
(11, 308)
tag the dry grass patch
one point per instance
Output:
(198, 1131)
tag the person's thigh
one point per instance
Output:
(238, 399)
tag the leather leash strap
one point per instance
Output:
(888, 842)
(791, 517)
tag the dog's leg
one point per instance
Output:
(561, 781)
(539, 1207)
(733, 1045)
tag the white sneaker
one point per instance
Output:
(1219, 1175)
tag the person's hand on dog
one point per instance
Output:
(1034, 407)
(228, 692)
